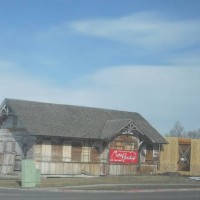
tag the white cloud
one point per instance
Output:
(146, 30)
(161, 94)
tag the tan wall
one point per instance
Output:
(169, 155)
(195, 157)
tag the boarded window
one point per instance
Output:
(56, 152)
(156, 152)
(38, 151)
(85, 155)
(94, 155)
(149, 153)
(66, 152)
(19, 145)
(46, 150)
(76, 152)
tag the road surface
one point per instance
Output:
(13, 194)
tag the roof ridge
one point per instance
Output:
(72, 105)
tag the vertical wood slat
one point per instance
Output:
(49, 168)
(7, 161)
(56, 152)
(195, 157)
(67, 149)
(148, 169)
(169, 155)
(1, 145)
(38, 151)
(122, 169)
(85, 154)
(94, 155)
(46, 150)
(76, 152)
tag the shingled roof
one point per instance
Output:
(77, 121)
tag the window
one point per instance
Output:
(67, 151)
(94, 154)
(85, 156)
(56, 151)
(76, 152)
(46, 150)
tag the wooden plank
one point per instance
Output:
(46, 150)
(56, 153)
(125, 142)
(67, 149)
(76, 152)
(195, 157)
(38, 151)
(95, 155)
(148, 169)
(85, 154)
(169, 155)
(7, 163)
(184, 141)
(122, 169)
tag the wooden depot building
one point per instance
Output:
(74, 140)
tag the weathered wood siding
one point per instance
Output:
(66, 151)
(16, 143)
(7, 161)
(68, 168)
(67, 156)
(148, 169)
(122, 169)
(123, 142)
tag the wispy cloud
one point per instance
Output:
(145, 30)
(162, 94)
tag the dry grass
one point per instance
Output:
(76, 181)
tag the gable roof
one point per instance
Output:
(77, 121)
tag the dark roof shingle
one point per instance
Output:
(77, 121)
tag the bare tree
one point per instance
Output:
(177, 130)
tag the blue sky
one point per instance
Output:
(141, 56)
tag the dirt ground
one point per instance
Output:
(81, 181)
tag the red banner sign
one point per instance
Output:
(120, 156)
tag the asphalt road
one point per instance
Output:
(13, 194)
